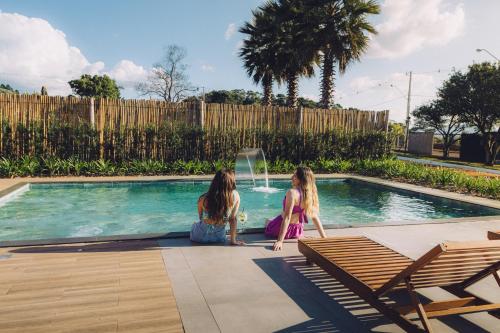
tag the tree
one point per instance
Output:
(43, 91)
(168, 79)
(277, 47)
(294, 49)
(256, 53)
(475, 97)
(235, 96)
(7, 89)
(95, 86)
(341, 31)
(438, 116)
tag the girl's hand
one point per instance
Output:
(238, 242)
(278, 245)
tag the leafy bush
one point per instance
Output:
(169, 144)
(448, 179)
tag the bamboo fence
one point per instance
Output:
(116, 113)
(109, 116)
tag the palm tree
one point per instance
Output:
(256, 52)
(341, 29)
(278, 48)
(293, 47)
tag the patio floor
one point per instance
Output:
(253, 289)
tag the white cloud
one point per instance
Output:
(35, 54)
(412, 25)
(207, 68)
(390, 93)
(127, 73)
(230, 31)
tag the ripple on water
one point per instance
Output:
(86, 231)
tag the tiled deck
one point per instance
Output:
(253, 289)
(99, 287)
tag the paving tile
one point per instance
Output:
(195, 313)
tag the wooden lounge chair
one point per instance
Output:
(494, 235)
(371, 270)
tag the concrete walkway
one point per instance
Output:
(448, 165)
(253, 289)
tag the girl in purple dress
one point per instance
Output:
(300, 202)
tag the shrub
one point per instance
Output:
(170, 144)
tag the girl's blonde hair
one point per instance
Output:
(309, 190)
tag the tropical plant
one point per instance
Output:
(278, 47)
(257, 53)
(340, 29)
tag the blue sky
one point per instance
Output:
(48, 42)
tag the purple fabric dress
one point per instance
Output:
(294, 230)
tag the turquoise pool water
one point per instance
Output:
(48, 211)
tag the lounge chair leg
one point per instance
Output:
(495, 274)
(418, 305)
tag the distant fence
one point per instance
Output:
(114, 128)
(117, 114)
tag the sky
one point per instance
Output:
(53, 41)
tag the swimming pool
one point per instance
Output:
(66, 210)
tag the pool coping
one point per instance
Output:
(5, 189)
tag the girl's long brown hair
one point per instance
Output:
(219, 198)
(309, 190)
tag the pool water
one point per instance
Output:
(48, 211)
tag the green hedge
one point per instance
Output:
(444, 178)
(170, 144)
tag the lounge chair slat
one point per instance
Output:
(435, 272)
(388, 259)
(442, 277)
(478, 254)
(462, 310)
(340, 239)
(439, 305)
(350, 252)
(376, 270)
(349, 246)
(450, 246)
(368, 255)
(371, 263)
(336, 249)
(464, 262)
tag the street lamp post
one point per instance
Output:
(491, 54)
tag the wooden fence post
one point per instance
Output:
(301, 119)
(91, 111)
(201, 114)
(101, 128)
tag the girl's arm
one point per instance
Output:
(318, 225)
(287, 215)
(233, 222)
